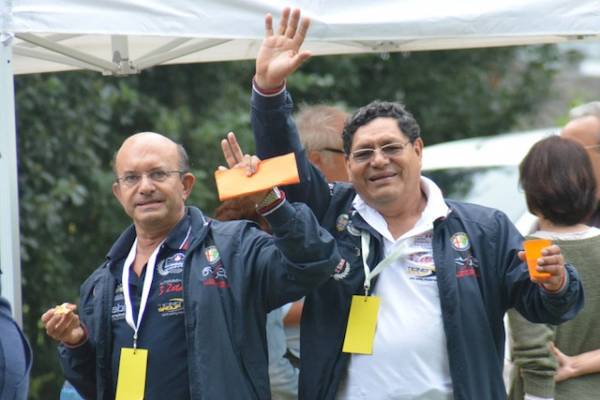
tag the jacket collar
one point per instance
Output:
(191, 227)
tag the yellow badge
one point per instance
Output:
(132, 374)
(362, 322)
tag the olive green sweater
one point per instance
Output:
(534, 365)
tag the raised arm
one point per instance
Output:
(298, 256)
(279, 55)
(273, 126)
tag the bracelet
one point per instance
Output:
(267, 92)
(271, 202)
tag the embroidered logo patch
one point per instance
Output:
(466, 266)
(342, 270)
(171, 265)
(212, 254)
(460, 241)
(215, 275)
(171, 307)
(341, 222)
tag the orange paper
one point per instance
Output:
(272, 172)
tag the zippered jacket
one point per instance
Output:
(478, 279)
(225, 323)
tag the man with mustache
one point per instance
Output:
(442, 272)
(179, 304)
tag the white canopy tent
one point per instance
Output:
(120, 37)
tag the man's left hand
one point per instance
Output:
(552, 262)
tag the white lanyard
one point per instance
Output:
(399, 251)
(145, 291)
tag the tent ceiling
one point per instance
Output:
(126, 36)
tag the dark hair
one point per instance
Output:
(381, 109)
(558, 181)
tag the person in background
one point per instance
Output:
(561, 362)
(283, 375)
(320, 129)
(584, 127)
(15, 356)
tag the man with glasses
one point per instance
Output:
(584, 127)
(177, 310)
(320, 129)
(416, 310)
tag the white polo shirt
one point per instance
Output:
(409, 359)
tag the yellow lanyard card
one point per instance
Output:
(132, 374)
(362, 322)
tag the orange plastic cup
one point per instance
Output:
(533, 251)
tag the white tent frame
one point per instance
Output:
(349, 26)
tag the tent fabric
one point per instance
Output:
(138, 34)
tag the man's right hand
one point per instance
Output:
(62, 324)
(279, 55)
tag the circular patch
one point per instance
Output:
(341, 222)
(212, 254)
(342, 270)
(460, 241)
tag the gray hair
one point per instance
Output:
(588, 109)
(320, 126)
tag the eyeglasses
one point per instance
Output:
(387, 150)
(157, 175)
(592, 146)
(332, 150)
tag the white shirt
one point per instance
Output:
(409, 359)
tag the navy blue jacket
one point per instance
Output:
(15, 357)
(225, 324)
(476, 285)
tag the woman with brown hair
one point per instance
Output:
(561, 363)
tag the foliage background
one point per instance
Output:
(69, 125)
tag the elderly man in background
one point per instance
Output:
(584, 127)
(320, 129)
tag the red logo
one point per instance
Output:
(170, 287)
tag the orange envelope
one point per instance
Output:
(274, 171)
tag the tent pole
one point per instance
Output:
(10, 256)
